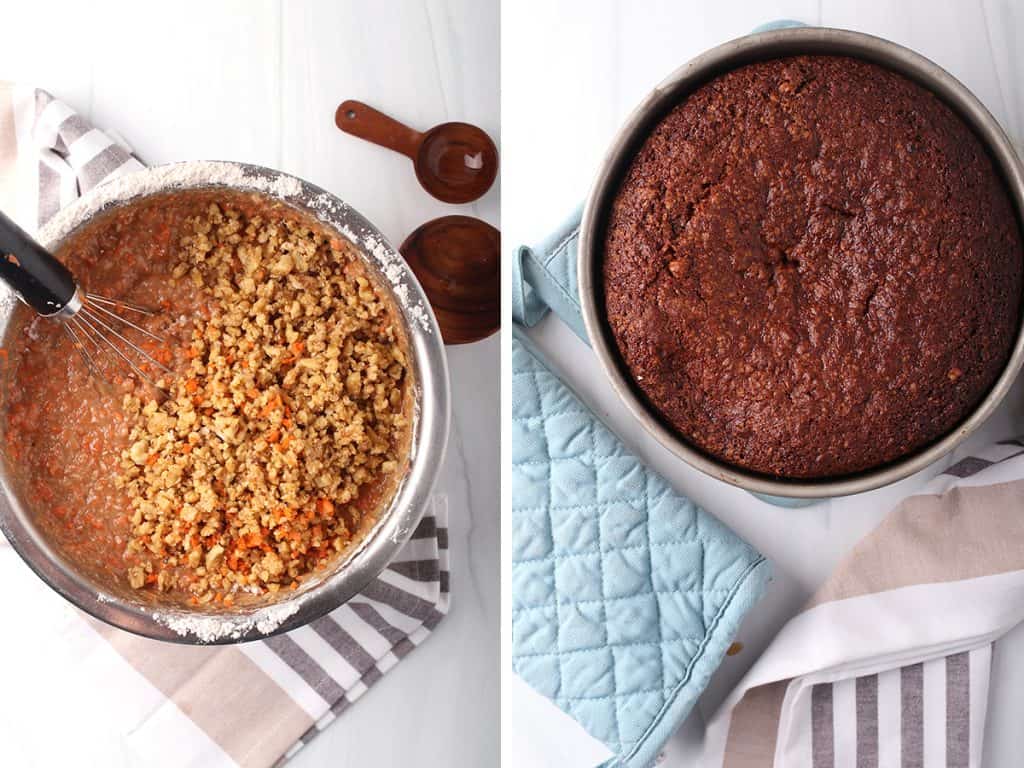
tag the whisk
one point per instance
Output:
(96, 325)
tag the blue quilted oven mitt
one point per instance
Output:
(625, 595)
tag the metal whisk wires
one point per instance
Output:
(97, 325)
(98, 329)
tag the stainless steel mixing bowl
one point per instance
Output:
(736, 53)
(207, 624)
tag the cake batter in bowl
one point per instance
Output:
(240, 501)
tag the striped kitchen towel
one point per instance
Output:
(50, 155)
(132, 701)
(888, 665)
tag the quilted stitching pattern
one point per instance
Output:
(615, 578)
(561, 263)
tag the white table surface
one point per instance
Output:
(259, 82)
(571, 73)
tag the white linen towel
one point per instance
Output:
(888, 665)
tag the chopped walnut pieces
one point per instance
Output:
(136, 577)
(249, 475)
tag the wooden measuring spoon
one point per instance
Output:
(455, 162)
(457, 261)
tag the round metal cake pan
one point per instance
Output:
(431, 411)
(672, 91)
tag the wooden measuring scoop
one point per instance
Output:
(455, 162)
(457, 261)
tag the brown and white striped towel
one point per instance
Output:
(888, 665)
(141, 702)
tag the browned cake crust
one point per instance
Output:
(812, 268)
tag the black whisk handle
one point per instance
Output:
(43, 282)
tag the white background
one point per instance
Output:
(572, 71)
(259, 82)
